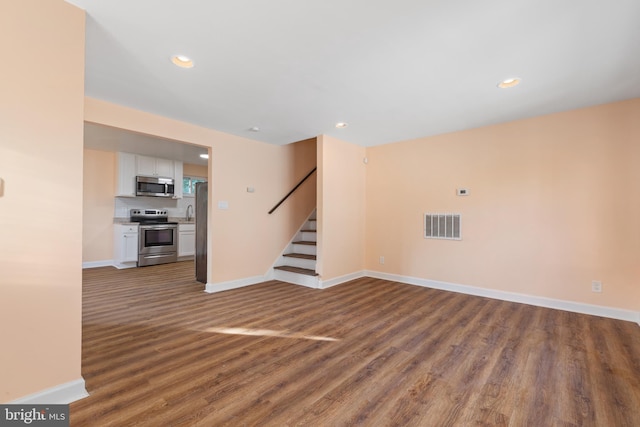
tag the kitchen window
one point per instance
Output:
(189, 185)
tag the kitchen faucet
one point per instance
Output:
(189, 213)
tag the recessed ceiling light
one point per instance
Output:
(182, 61)
(341, 125)
(254, 129)
(514, 81)
(204, 156)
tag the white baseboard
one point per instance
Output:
(240, 283)
(212, 288)
(342, 279)
(123, 265)
(576, 307)
(296, 279)
(59, 395)
(96, 264)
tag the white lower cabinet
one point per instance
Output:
(125, 245)
(186, 240)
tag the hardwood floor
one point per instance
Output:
(158, 351)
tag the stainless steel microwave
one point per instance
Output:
(154, 186)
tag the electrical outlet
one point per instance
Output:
(596, 286)
(381, 260)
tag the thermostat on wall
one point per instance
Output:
(462, 191)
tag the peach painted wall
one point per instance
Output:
(41, 110)
(98, 205)
(189, 169)
(244, 240)
(554, 203)
(341, 208)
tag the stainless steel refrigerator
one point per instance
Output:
(202, 198)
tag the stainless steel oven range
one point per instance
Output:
(158, 238)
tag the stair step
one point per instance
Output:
(298, 270)
(312, 219)
(303, 256)
(304, 242)
(309, 231)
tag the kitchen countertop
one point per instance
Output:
(124, 221)
(181, 220)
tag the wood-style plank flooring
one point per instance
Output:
(158, 351)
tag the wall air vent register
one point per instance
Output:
(442, 226)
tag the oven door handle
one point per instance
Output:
(157, 228)
(158, 256)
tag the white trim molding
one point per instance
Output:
(296, 279)
(96, 264)
(61, 394)
(125, 265)
(324, 284)
(212, 288)
(576, 307)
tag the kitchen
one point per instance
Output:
(119, 170)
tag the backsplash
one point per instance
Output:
(175, 208)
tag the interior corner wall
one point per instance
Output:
(341, 208)
(244, 240)
(98, 205)
(553, 204)
(41, 142)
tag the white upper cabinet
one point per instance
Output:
(146, 165)
(164, 168)
(131, 165)
(153, 166)
(126, 186)
(177, 176)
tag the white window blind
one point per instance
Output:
(442, 226)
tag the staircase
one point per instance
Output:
(298, 262)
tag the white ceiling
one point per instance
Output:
(105, 138)
(393, 70)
